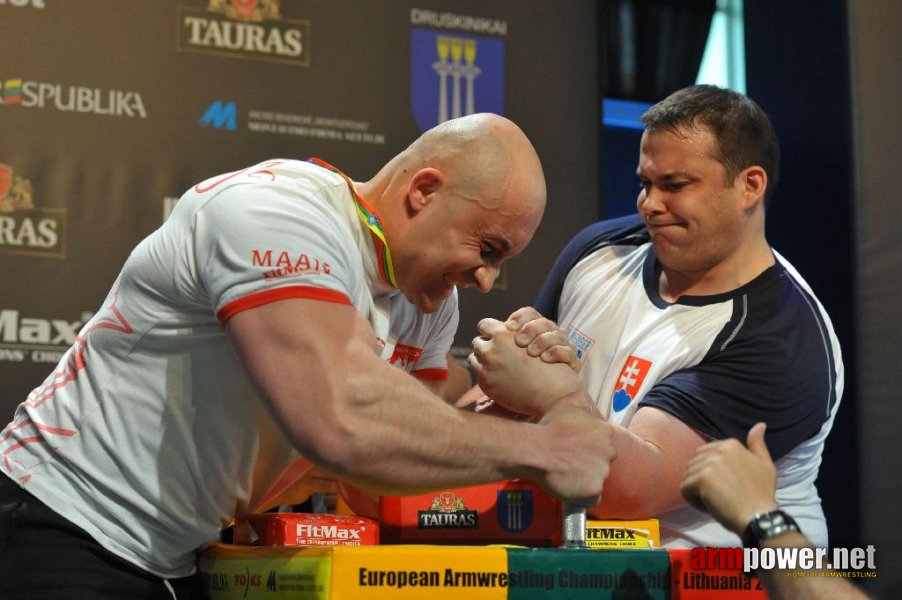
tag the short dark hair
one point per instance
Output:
(743, 134)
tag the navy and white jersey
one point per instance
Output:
(763, 352)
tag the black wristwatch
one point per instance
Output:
(766, 525)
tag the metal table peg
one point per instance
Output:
(574, 526)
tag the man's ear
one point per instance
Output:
(423, 185)
(754, 180)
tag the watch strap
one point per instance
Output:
(766, 525)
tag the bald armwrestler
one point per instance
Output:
(283, 315)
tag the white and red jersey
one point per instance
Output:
(149, 435)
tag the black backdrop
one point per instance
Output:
(805, 87)
(107, 113)
(110, 110)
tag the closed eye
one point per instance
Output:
(491, 254)
(675, 186)
(670, 187)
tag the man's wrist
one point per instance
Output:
(766, 525)
(577, 398)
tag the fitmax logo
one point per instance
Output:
(221, 115)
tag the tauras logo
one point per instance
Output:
(15, 192)
(244, 29)
(447, 512)
(428, 519)
(72, 98)
(25, 229)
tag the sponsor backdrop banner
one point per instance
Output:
(109, 111)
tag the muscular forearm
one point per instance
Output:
(377, 427)
(377, 449)
(638, 486)
(374, 425)
(651, 455)
(651, 459)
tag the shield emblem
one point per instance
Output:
(630, 381)
(405, 356)
(454, 75)
(447, 501)
(514, 510)
(244, 8)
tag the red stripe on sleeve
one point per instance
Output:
(431, 374)
(296, 291)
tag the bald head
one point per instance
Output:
(486, 158)
(461, 199)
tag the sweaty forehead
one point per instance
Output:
(663, 152)
(513, 233)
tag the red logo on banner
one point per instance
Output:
(244, 7)
(405, 356)
(631, 377)
(6, 180)
(246, 10)
(15, 192)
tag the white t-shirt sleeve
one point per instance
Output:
(433, 363)
(256, 244)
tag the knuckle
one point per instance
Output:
(487, 324)
(549, 337)
(545, 325)
(530, 328)
(527, 312)
(552, 355)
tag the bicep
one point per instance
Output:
(296, 351)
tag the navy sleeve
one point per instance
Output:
(624, 230)
(772, 363)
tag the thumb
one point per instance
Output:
(755, 441)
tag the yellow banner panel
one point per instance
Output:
(399, 572)
(619, 534)
(252, 573)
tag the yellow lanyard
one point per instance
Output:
(372, 221)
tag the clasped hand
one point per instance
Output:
(504, 360)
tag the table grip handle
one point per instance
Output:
(574, 526)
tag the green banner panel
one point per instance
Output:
(549, 573)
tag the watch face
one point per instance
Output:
(767, 525)
(769, 520)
